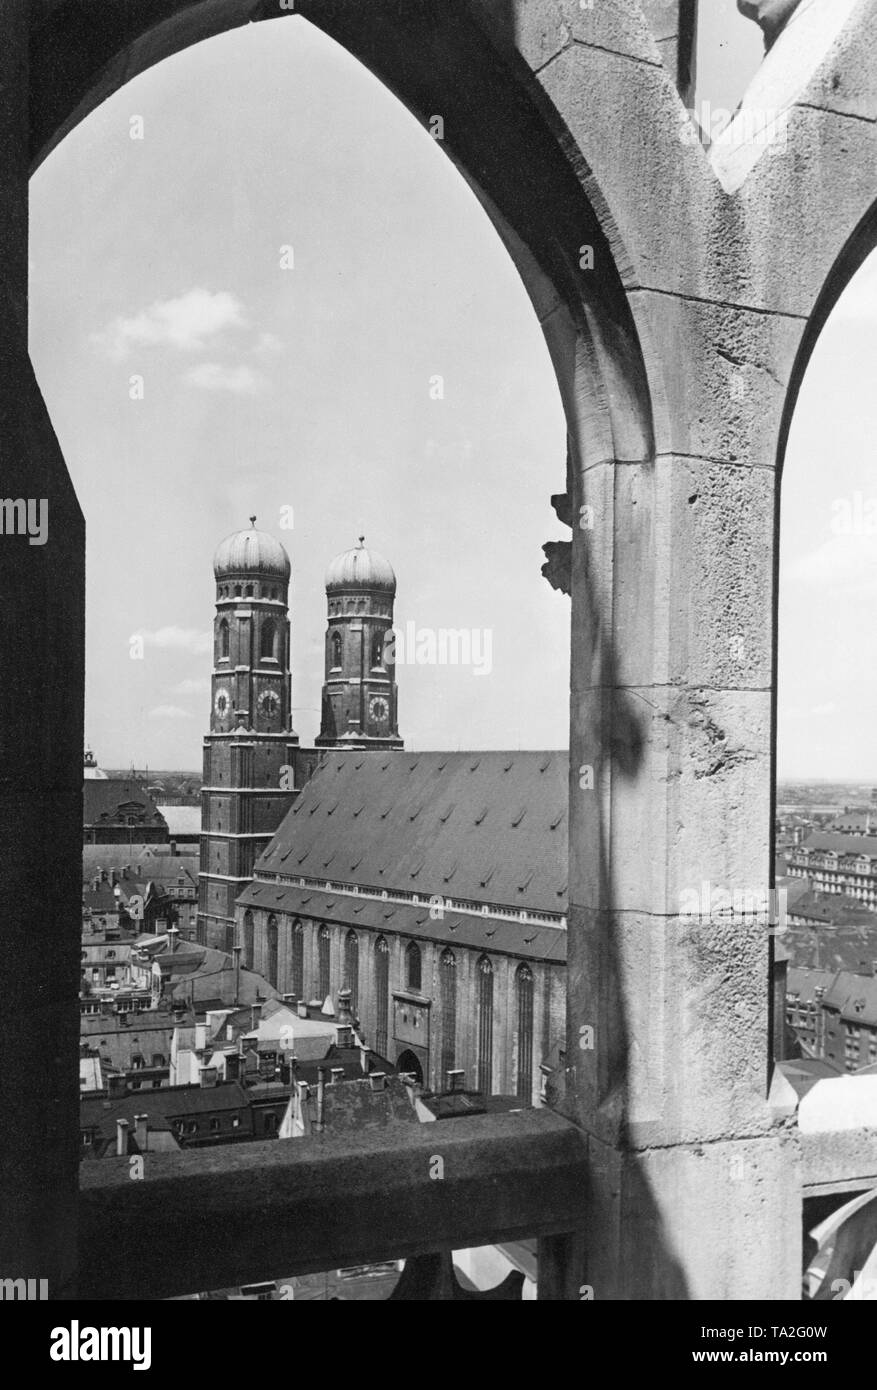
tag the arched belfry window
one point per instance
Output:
(298, 960)
(324, 948)
(351, 968)
(378, 649)
(249, 939)
(448, 995)
(413, 966)
(524, 989)
(382, 994)
(271, 963)
(336, 648)
(268, 642)
(485, 1025)
(223, 638)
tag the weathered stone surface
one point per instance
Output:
(708, 752)
(721, 375)
(718, 1221)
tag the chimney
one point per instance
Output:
(121, 1138)
(321, 1098)
(237, 973)
(454, 1077)
(140, 1122)
(363, 1059)
(337, 1075)
(344, 1013)
(172, 934)
(289, 999)
(114, 877)
(302, 1009)
(126, 872)
(378, 1080)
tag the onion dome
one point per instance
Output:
(251, 552)
(360, 569)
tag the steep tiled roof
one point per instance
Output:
(528, 940)
(827, 840)
(838, 909)
(855, 997)
(488, 827)
(102, 801)
(802, 982)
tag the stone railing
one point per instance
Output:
(244, 1213)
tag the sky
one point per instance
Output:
(308, 387)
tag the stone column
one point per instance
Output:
(41, 657)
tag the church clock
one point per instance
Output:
(221, 702)
(378, 708)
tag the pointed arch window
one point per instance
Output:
(382, 994)
(223, 639)
(336, 649)
(298, 960)
(271, 964)
(485, 1025)
(351, 968)
(413, 966)
(249, 942)
(448, 995)
(524, 990)
(268, 640)
(323, 954)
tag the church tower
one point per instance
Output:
(360, 700)
(250, 754)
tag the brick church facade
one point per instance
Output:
(434, 887)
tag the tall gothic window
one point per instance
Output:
(229, 938)
(448, 992)
(268, 640)
(378, 649)
(324, 968)
(249, 939)
(298, 960)
(336, 648)
(382, 994)
(485, 1025)
(413, 966)
(351, 968)
(524, 988)
(271, 965)
(223, 638)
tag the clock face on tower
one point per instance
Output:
(269, 703)
(378, 708)
(221, 702)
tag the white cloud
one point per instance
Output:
(169, 712)
(212, 376)
(844, 562)
(184, 323)
(189, 639)
(267, 345)
(198, 685)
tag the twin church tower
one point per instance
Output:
(254, 767)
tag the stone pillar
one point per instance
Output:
(41, 657)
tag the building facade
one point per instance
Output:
(433, 886)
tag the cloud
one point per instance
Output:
(184, 323)
(267, 345)
(846, 563)
(188, 639)
(169, 712)
(198, 685)
(212, 376)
